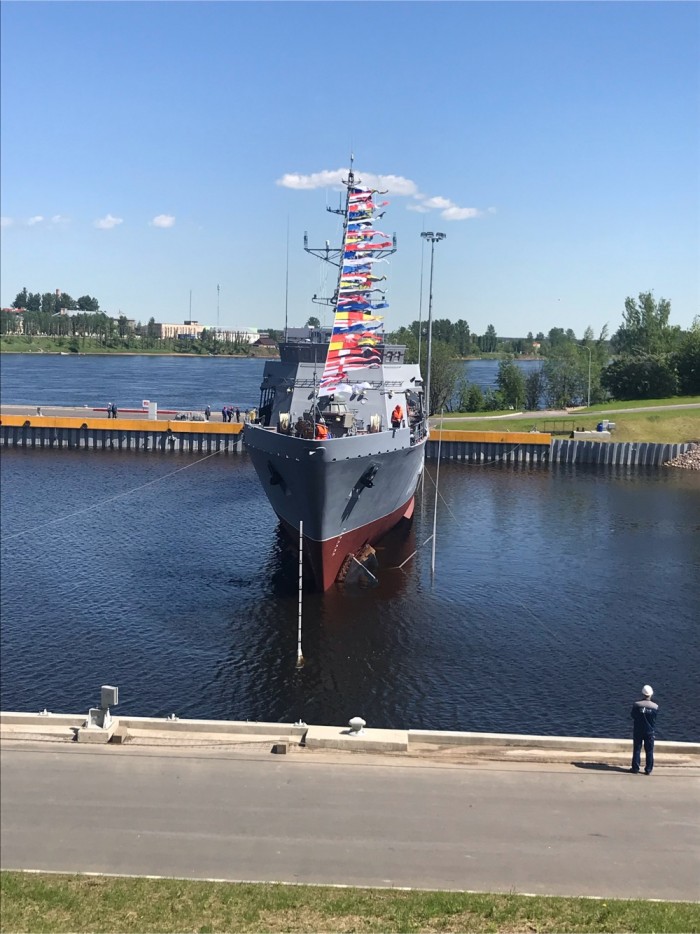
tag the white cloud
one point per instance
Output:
(453, 213)
(6, 222)
(438, 203)
(395, 185)
(59, 219)
(332, 178)
(163, 220)
(106, 223)
(37, 219)
(316, 180)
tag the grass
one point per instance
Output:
(636, 403)
(670, 426)
(44, 902)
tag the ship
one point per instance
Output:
(338, 440)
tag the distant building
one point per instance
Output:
(237, 335)
(186, 329)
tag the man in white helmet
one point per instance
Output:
(643, 715)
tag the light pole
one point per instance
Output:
(433, 238)
(590, 357)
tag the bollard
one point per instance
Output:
(357, 725)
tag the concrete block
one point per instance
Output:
(333, 737)
(279, 749)
(95, 735)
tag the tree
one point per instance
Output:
(48, 303)
(511, 383)
(564, 372)
(405, 336)
(312, 323)
(535, 386)
(687, 361)
(642, 376)
(488, 341)
(21, 299)
(87, 303)
(462, 337)
(64, 300)
(475, 399)
(645, 328)
(445, 370)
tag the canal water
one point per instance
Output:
(558, 592)
(174, 382)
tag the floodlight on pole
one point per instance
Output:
(433, 238)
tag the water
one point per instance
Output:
(173, 382)
(558, 593)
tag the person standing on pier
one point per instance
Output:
(109, 410)
(224, 413)
(114, 410)
(207, 412)
(238, 414)
(643, 714)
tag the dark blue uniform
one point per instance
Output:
(644, 717)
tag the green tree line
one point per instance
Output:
(646, 358)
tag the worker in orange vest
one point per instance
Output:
(397, 416)
(321, 431)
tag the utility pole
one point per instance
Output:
(433, 238)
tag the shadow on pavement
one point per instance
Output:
(601, 767)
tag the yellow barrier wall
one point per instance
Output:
(235, 428)
(124, 424)
(492, 437)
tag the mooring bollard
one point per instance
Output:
(357, 725)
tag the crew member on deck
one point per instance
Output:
(321, 431)
(397, 416)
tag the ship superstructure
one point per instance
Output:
(340, 435)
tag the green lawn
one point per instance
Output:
(662, 426)
(42, 902)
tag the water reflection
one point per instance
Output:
(558, 592)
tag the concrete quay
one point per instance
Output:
(300, 737)
(207, 800)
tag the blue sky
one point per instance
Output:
(150, 150)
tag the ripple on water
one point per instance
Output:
(557, 594)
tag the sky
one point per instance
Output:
(167, 157)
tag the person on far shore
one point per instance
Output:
(207, 412)
(115, 410)
(643, 714)
(109, 410)
(224, 414)
(238, 414)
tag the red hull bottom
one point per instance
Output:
(326, 558)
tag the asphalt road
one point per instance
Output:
(302, 818)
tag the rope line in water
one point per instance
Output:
(110, 499)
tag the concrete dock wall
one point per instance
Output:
(615, 453)
(485, 447)
(179, 437)
(62, 727)
(530, 448)
(122, 434)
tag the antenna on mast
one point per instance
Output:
(286, 283)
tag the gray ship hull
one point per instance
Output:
(348, 491)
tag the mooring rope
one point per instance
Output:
(110, 499)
